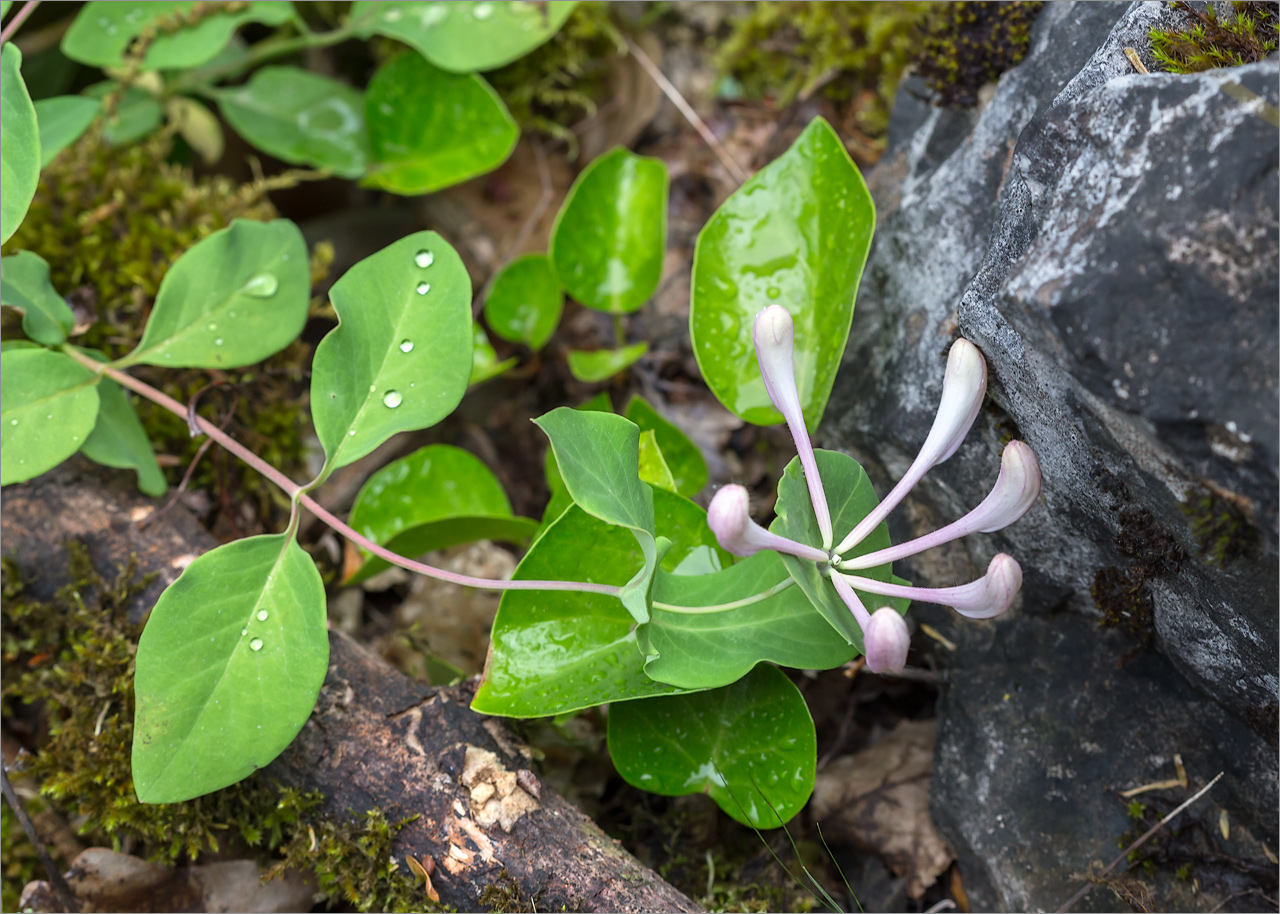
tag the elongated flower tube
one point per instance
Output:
(729, 518)
(885, 638)
(963, 387)
(985, 598)
(1016, 490)
(774, 334)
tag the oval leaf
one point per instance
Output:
(48, 403)
(611, 233)
(229, 667)
(525, 302)
(20, 151)
(119, 440)
(688, 468)
(46, 317)
(61, 121)
(751, 746)
(434, 498)
(463, 36)
(104, 29)
(796, 235)
(484, 358)
(137, 114)
(400, 358)
(429, 129)
(603, 364)
(235, 298)
(300, 117)
(653, 466)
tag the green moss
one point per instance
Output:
(1210, 39)
(970, 44)
(69, 663)
(502, 896)
(1221, 529)
(20, 863)
(849, 51)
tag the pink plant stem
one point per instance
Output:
(296, 493)
(18, 18)
(852, 601)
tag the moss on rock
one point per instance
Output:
(970, 44)
(1210, 39)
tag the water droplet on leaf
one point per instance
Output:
(392, 399)
(263, 285)
(218, 342)
(256, 644)
(424, 288)
(406, 345)
(482, 11)
(424, 259)
(262, 615)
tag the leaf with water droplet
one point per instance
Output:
(391, 399)
(463, 36)
(46, 317)
(610, 235)
(423, 259)
(212, 708)
(436, 497)
(750, 746)
(36, 383)
(361, 360)
(259, 270)
(20, 151)
(406, 345)
(525, 301)
(776, 232)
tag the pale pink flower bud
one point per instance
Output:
(729, 517)
(886, 641)
(985, 598)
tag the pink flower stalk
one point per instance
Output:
(774, 336)
(985, 598)
(1016, 490)
(885, 638)
(963, 388)
(729, 518)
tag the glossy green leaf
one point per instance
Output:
(300, 117)
(560, 498)
(653, 466)
(436, 497)
(137, 114)
(400, 358)
(558, 651)
(851, 497)
(62, 120)
(701, 651)
(688, 467)
(430, 129)
(603, 364)
(20, 151)
(611, 233)
(525, 302)
(599, 459)
(235, 298)
(48, 403)
(464, 36)
(4, 8)
(104, 29)
(46, 317)
(119, 440)
(751, 746)
(229, 667)
(484, 358)
(684, 523)
(796, 235)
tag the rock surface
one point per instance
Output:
(1109, 239)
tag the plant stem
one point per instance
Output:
(725, 607)
(261, 53)
(298, 494)
(27, 9)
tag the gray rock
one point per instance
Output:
(1109, 240)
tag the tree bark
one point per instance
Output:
(377, 739)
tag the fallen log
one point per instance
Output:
(377, 739)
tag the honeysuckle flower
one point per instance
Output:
(885, 638)
(985, 598)
(1016, 489)
(963, 387)
(774, 335)
(729, 518)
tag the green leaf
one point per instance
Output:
(599, 459)
(653, 467)
(46, 317)
(436, 497)
(559, 651)
(463, 37)
(429, 129)
(796, 235)
(688, 467)
(684, 523)
(599, 403)
(300, 117)
(4, 8)
(20, 151)
(235, 298)
(484, 358)
(400, 358)
(610, 235)
(751, 746)
(137, 114)
(48, 402)
(851, 497)
(104, 29)
(229, 667)
(603, 364)
(701, 651)
(118, 438)
(62, 120)
(525, 302)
